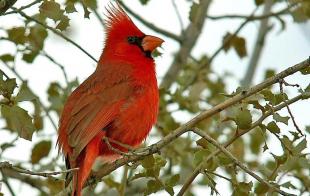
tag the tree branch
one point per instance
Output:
(261, 17)
(9, 166)
(36, 183)
(22, 8)
(231, 37)
(56, 32)
(5, 5)
(259, 44)
(154, 148)
(236, 161)
(197, 170)
(150, 25)
(189, 38)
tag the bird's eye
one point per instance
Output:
(132, 39)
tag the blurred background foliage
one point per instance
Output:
(189, 87)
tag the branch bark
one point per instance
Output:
(197, 170)
(5, 5)
(189, 38)
(258, 47)
(154, 148)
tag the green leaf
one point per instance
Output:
(70, 8)
(111, 183)
(55, 186)
(36, 38)
(40, 150)
(7, 58)
(259, 2)
(278, 118)
(224, 160)
(300, 146)
(173, 180)
(144, 2)
(305, 71)
(153, 186)
(148, 162)
(273, 127)
(200, 155)
(52, 10)
(63, 24)
(261, 188)
(30, 56)
(236, 42)
(17, 35)
(7, 87)
(256, 140)
(18, 120)
(92, 4)
(243, 189)
(25, 94)
(269, 73)
(288, 185)
(169, 190)
(299, 15)
(244, 119)
(193, 11)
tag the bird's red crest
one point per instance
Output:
(118, 24)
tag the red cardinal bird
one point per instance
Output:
(118, 101)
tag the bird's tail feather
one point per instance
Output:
(85, 162)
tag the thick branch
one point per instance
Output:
(258, 47)
(197, 170)
(189, 38)
(203, 115)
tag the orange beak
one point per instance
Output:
(150, 43)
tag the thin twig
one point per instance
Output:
(281, 81)
(150, 25)
(236, 161)
(27, 179)
(124, 181)
(197, 170)
(8, 185)
(178, 15)
(23, 7)
(261, 17)
(56, 32)
(98, 16)
(62, 68)
(7, 165)
(231, 37)
(106, 140)
(220, 176)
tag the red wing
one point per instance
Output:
(89, 109)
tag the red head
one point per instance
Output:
(124, 39)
